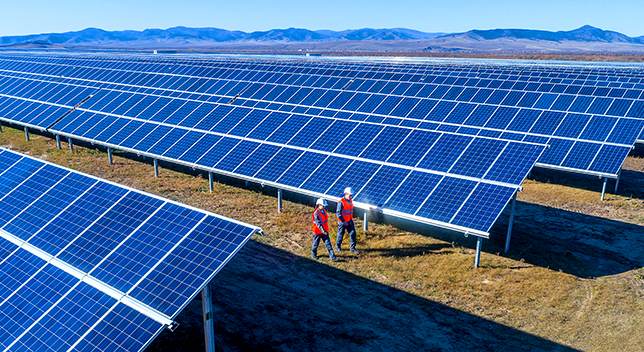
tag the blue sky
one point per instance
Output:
(40, 16)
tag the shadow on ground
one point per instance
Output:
(578, 244)
(267, 299)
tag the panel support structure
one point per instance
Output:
(619, 174)
(27, 133)
(210, 182)
(279, 200)
(109, 155)
(0, 127)
(365, 227)
(208, 324)
(477, 259)
(71, 145)
(507, 239)
(156, 167)
(58, 142)
(604, 187)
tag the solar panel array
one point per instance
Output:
(581, 117)
(88, 265)
(443, 143)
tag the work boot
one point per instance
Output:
(334, 259)
(354, 251)
(314, 256)
(338, 249)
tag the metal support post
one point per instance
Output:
(619, 174)
(210, 184)
(58, 141)
(27, 133)
(477, 259)
(365, 227)
(156, 168)
(0, 127)
(71, 144)
(208, 323)
(279, 200)
(245, 183)
(109, 155)
(604, 187)
(507, 239)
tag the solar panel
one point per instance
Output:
(295, 124)
(532, 111)
(91, 265)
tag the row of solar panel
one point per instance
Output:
(525, 124)
(223, 119)
(381, 69)
(497, 69)
(421, 109)
(388, 85)
(305, 163)
(337, 94)
(296, 167)
(133, 242)
(229, 123)
(450, 114)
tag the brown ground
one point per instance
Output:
(573, 279)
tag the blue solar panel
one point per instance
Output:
(81, 257)
(379, 111)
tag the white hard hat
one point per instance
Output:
(321, 201)
(348, 190)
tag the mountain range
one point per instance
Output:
(185, 35)
(583, 39)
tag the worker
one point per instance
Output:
(345, 221)
(321, 230)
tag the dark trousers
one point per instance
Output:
(352, 234)
(327, 243)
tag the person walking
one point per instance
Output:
(345, 221)
(321, 230)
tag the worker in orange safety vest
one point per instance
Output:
(321, 230)
(344, 213)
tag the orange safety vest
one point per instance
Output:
(323, 219)
(347, 209)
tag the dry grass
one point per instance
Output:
(539, 289)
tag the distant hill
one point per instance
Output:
(586, 39)
(582, 34)
(181, 36)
